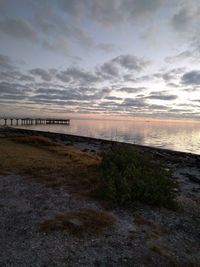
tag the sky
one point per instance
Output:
(100, 58)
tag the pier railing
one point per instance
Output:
(31, 121)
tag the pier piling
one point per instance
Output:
(38, 121)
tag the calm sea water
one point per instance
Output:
(176, 136)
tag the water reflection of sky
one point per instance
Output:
(175, 136)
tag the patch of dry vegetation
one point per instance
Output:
(82, 222)
(118, 177)
(163, 252)
(156, 230)
(33, 140)
(152, 235)
(157, 249)
(48, 162)
(141, 220)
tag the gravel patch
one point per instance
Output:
(24, 205)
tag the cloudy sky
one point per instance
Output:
(130, 58)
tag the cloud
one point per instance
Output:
(81, 35)
(61, 94)
(77, 33)
(77, 76)
(43, 74)
(65, 33)
(185, 23)
(135, 103)
(161, 96)
(182, 19)
(131, 62)
(6, 62)
(172, 74)
(109, 70)
(13, 97)
(197, 100)
(18, 28)
(9, 76)
(70, 94)
(113, 98)
(115, 68)
(53, 31)
(131, 89)
(11, 88)
(61, 26)
(13, 92)
(5, 88)
(106, 47)
(167, 76)
(173, 85)
(80, 99)
(181, 56)
(157, 107)
(137, 8)
(186, 20)
(150, 34)
(191, 78)
(26, 78)
(108, 104)
(129, 78)
(112, 12)
(57, 44)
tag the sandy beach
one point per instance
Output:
(140, 236)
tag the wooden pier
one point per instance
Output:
(31, 121)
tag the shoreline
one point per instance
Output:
(63, 137)
(186, 165)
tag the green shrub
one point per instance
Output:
(128, 175)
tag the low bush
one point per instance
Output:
(128, 175)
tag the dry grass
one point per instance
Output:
(33, 140)
(48, 162)
(141, 220)
(82, 222)
(156, 230)
(162, 252)
(152, 235)
(157, 249)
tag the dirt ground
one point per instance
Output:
(142, 236)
